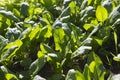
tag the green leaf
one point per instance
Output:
(108, 5)
(99, 41)
(116, 43)
(59, 38)
(57, 24)
(66, 3)
(96, 28)
(117, 58)
(71, 75)
(47, 15)
(65, 12)
(114, 77)
(3, 42)
(9, 52)
(4, 69)
(48, 3)
(56, 77)
(13, 34)
(87, 26)
(9, 15)
(90, 2)
(45, 48)
(72, 7)
(102, 76)
(11, 76)
(16, 12)
(37, 77)
(116, 23)
(15, 43)
(25, 33)
(114, 15)
(81, 50)
(24, 9)
(25, 62)
(6, 74)
(74, 75)
(86, 73)
(37, 64)
(10, 49)
(96, 67)
(101, 13)
(49, 31)
(35, 31)
(87, 41)
(38, 11)
(87, 12)
(79, 76)
(84, 4)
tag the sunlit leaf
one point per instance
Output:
(101, 13)
(49, 31)
(87, 26)
(74, 75)
(34, 32)
(90, 2)
(91, 66)
(59, 38)
(99, 41)
(48, 3)
(38, 11)
(115, 38)
(72, 7)
(11, 49)
(117, 58)
(10, 76)
(86, 73)
(79, 75)
(47, 15)
(46, 49)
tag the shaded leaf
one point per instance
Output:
(71, 75)
(81, 50)
(9, 15)
(114, 15)
(45, 48)
(24, 9)
(37, 64)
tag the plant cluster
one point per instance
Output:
(59, 39)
